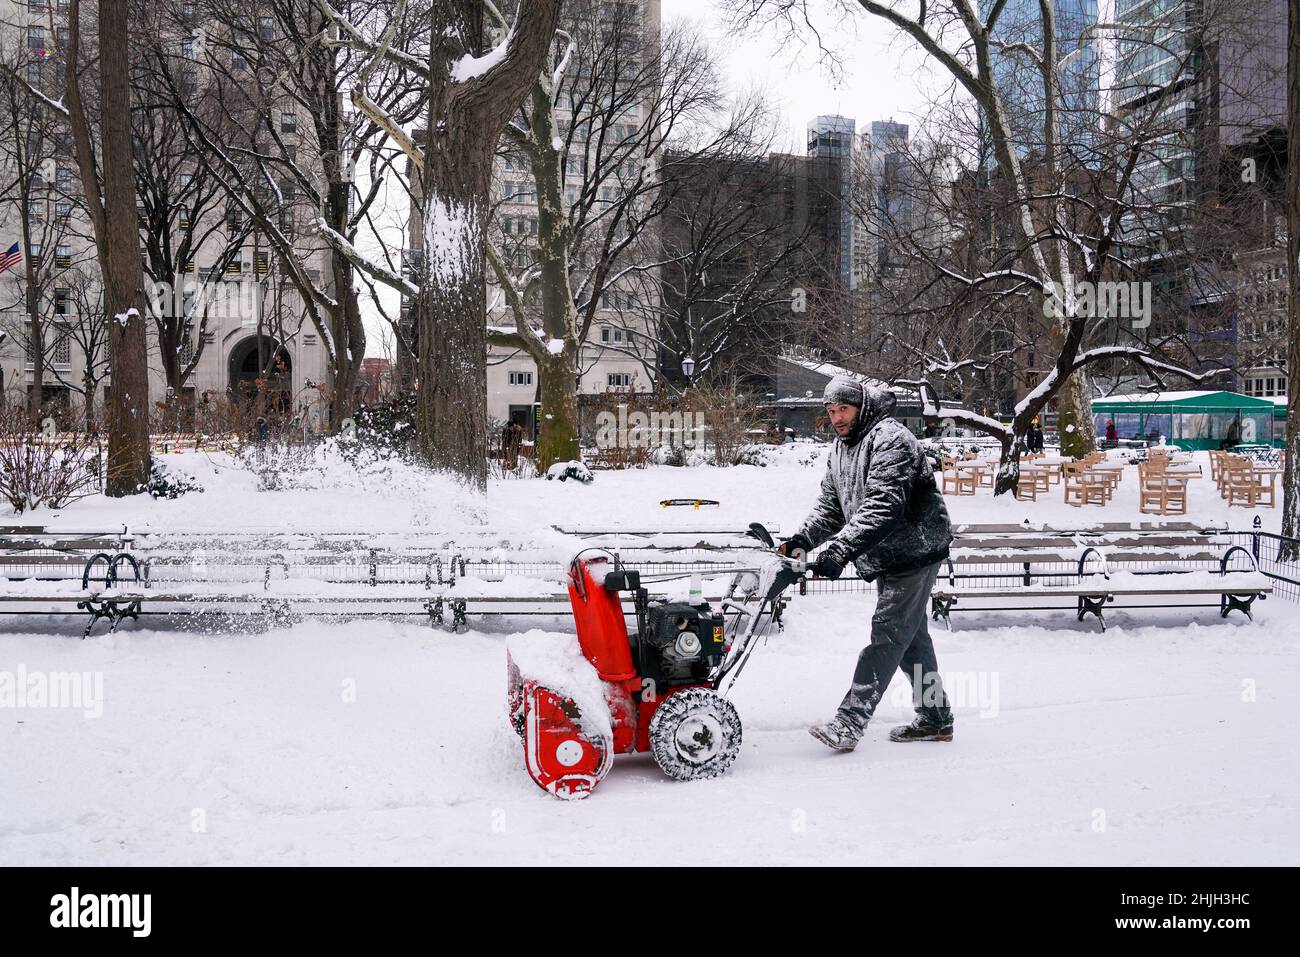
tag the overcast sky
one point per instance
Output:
(882, 77)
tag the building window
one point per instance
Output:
(63, 255)
(266, 27)
(261, 263)
(63, 208)
(62, 346)
(609, 334)
(618, 380)
(288, 122)
(61, 302)
(521, 378)
(36, 38)
(238, 62)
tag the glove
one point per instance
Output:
(829, 565)
(794, 543)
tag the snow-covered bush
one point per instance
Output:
(379, 432)
(164, 483)
(570, 470)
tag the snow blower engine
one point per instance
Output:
(663, 688)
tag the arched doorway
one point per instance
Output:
(248, 360)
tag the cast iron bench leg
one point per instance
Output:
(434, 608)
(1239, 603)
(1093, 605)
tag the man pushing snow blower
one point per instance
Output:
(879, 507)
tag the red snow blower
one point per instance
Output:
(664, 686)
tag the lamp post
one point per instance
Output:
(688, 369)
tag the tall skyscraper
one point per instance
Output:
(882, 200)
(832, 137)
(1021, 82)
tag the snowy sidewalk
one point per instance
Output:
(1148, 744)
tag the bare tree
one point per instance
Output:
(1057, 191)
(183, 208)
(39, 190)
(592, 137)
(86, 331)
(744, 270)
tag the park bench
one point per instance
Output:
(281, 576)
(1177, 565)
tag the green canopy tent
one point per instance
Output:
(1189, 420)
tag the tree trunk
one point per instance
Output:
(557, 439)
(557, 373)
(1074, 416)
(119, 247)
(466, 117)
(88, 385)
(347, 330)
(1291, 481)
(451, 409)
(36, 337)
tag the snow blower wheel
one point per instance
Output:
(695, 735)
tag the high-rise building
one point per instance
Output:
(1020, 81)
(832, 137)
(1214, 91)
(882, 201)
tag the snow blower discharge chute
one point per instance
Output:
(663, 687)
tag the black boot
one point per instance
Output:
(921, 729)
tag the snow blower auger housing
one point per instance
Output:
(661, 684)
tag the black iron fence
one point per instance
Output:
(1277, 556)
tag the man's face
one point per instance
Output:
(842, 417)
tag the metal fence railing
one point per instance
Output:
(1278, 557)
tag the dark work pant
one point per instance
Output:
(900, 640)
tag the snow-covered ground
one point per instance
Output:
(399, 499)
(1165, 740)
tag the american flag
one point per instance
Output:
(12, 256)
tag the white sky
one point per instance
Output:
(883, 77)
(883, 73)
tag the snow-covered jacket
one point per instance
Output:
(879, 505)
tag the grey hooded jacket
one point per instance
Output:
(879, 505)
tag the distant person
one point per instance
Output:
(1035, 437)
(1111, 434)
